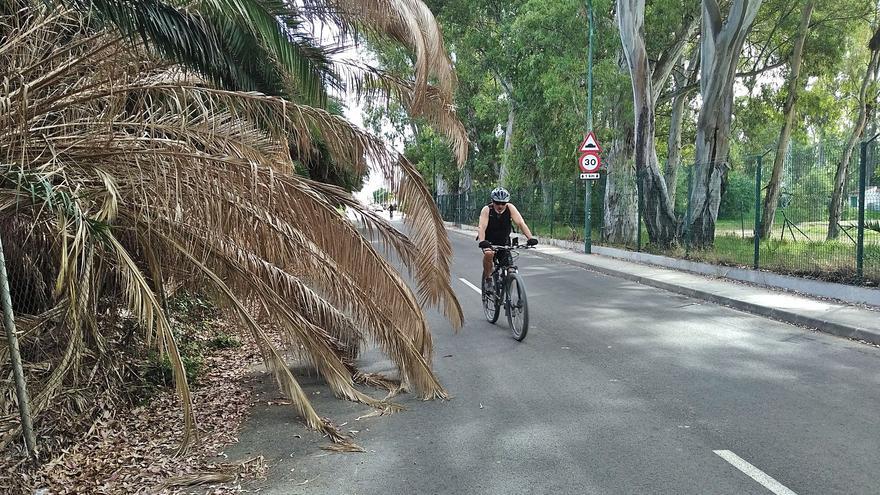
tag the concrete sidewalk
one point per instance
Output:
(840, 319)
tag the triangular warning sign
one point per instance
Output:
(590, 144)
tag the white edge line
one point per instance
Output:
(472, 286)
(756, 474)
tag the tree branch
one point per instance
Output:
(778, 23)
(757, 72)
(669, 59)
(712, 12)
(696, 85)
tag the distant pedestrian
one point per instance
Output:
(391, 209)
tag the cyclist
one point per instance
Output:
(496, 222)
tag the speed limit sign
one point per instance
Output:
(590, 163)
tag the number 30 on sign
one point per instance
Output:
(590, 163)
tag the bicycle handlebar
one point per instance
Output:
(520, 246)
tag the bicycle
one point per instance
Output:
(508, 290)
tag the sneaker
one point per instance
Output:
(488, 286)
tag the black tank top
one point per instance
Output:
(499, 228)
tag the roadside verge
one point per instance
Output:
(844, 318)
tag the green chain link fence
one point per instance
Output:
(797, 242)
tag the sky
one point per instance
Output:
(354, 110)
(354, 113)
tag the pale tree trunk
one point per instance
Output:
(504, 171)
(789, 111)
(720, 47)
(464, 180)
(657, 210)
(620, 211)
(442, 185)
(840, 175)
(621, 199)
(676, 120)
(673, 143)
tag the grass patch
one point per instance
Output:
(192, 316)
(224, 341)
(157, 371)
(833, 261)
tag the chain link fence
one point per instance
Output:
(30, 278)
(552, 210)
(802, 235)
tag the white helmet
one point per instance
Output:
(500, 195)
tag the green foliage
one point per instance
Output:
(191, 313)
(255, 45)
(529, 56)
(192, 307)
(433, 158)
(382, 196)
(810, 196)
(738, 196)
(224, 341)
(157, 371)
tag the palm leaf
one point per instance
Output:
(122, 166)
(409, 22)
(371, 84)
(275, 31)
(238, 44)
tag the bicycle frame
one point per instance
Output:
(504, 266)
(505, 273)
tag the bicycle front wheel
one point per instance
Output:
(517, 306)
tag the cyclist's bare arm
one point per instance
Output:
(518, 220)
(484, 223)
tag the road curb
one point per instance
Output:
(820, 324)
(847, 294)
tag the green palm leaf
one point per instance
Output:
(275, 35)
(248, 45)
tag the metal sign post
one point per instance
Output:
(589, 164)
(588, 241)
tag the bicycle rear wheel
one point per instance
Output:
(491, 304)
(517, 306)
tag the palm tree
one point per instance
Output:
(124, 174)
(259, 45)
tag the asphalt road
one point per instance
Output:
(618, 389)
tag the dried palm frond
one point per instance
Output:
(437, 108)
(121, 175)
(409, 22)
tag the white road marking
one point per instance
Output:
(756, 474)
(472, 286)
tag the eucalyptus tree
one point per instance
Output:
(647, 83)
(721, 40)
(793, 87)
